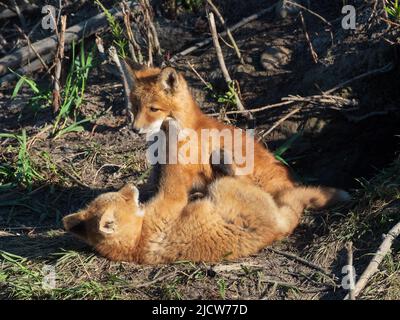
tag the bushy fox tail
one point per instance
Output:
(292, 202)
(300, 198)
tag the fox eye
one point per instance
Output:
(152, 109)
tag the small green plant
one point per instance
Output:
(171, 291)
(392, 8)
(23, 172)
(119, 39)
(222, 287)
(41, 97)
(226, 98)
(190, 5)
(285, 147)
(73, 92)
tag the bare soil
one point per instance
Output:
(339, 147)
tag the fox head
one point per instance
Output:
(157, 95)
(111, 223)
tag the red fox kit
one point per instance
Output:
(158, 95)
(234, 220)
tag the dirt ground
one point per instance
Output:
(351, 147)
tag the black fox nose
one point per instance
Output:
(135, 130)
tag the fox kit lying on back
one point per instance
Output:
(158, 95)
(236, 219)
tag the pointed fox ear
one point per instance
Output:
(107, 223)
(169, 79)
(76, 224)
(129, 191)
(129, 68)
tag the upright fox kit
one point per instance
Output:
(158, 95)
(236, 219)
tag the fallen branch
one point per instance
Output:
(387, 68)
(33, 66)
(349, 248)
(310, 11)
(323, 99)
(19, 14)
(222, 64)
(372, 268)
(232, 28)
(279, 122)
(270, 106)
(199, 76)
(48, 45)
(9, 13)
(303, 261)
(44, 64)
(127, 90)
(316, 99)
(312, 51)
(58, 63)
(134, 48)
(227, 30)
(357, 119)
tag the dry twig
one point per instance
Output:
(58, 63)
(221, 61)
(279, 122)
(349, 248)
(313, 53)
(31, 47)
(48, 45)
(227, 30)
(134, 48)
(19, 14)
(124, 77)
(372, 268)
(303, 261)
(387, 68)
(232, 28)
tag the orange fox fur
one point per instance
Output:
(158, 95)
(239, 216)
(236, 219)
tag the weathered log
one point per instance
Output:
(33, 66)
(7, 13)
(49, 45)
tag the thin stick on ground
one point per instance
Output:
(222, 64)
(372, 268)
(58, 63)
(279, 122)
(387, 68)
(314, 55)
(127, 22)
(7, 13)
(302, 260)
(207, 41)
(199, 76)
(33, 66)
(349, 247)
(227, 30)
(310, 11)
(48, 45)
(316, 99)
(149, 49)
(31, 47)
(128, 105)
(329, 24)
(19, 14)
(100, 48)
(152, 37)
(270, 106)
